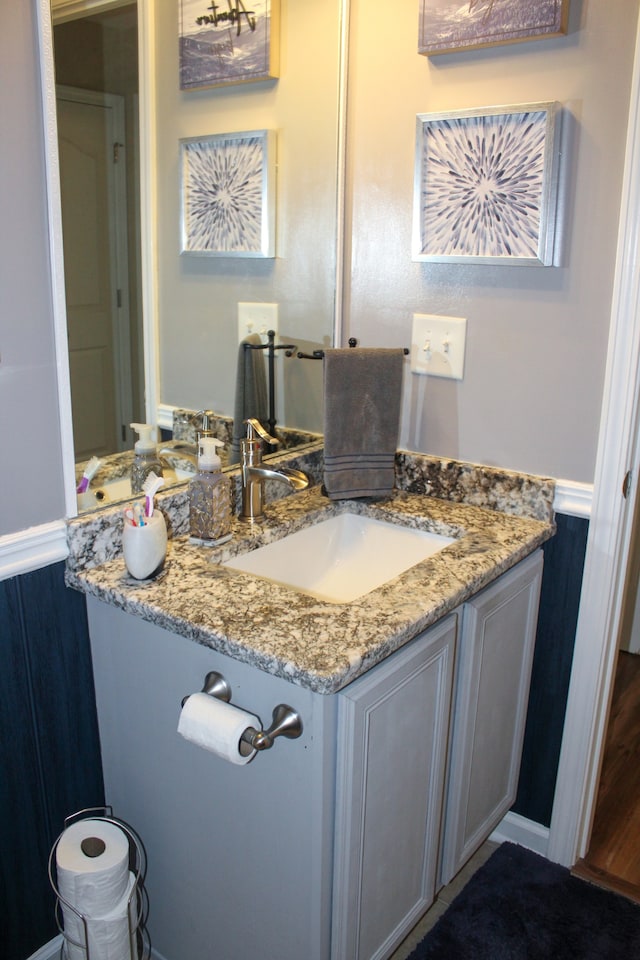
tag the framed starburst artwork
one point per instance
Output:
(486, 185)
(228, 194)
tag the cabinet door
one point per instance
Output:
(495, 653)
(390, 776)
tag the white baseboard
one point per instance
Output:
(516, 829)
(50, 951)
(31, 549)
(573, 499)
(164, 416)
(513, 828)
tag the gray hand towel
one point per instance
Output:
(362, 396)
(251, 392)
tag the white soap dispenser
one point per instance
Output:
(146, 457)
(209, 497)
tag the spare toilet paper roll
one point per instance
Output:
(216, 726)
(92, 863)
(112, 937)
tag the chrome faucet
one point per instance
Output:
(179, 448)
(254, 473)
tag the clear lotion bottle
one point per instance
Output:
(146, 458)
(209, 497)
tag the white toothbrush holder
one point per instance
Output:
(145, 547)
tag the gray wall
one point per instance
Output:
(537, 337)
(31, 483)
(198, 296)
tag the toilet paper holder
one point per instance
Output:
(138, 901)
(285, 721)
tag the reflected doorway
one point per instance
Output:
(97, 97)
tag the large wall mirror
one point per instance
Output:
(150, 328)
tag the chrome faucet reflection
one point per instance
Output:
(254, 473)
(179, 448)
(201, 422)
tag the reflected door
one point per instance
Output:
(91, 144)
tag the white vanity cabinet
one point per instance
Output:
(324, 847)
(392, 738)
(239, 857)
(396, 737)
(495, 653)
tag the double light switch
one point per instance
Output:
(437, 345)
(257, 318)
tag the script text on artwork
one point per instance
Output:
(236, 13)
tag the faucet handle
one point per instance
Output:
(201, 418)
(255, 427)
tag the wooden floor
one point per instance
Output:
(613, 859)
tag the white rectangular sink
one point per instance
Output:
(341, 559)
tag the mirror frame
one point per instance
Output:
(155, 411)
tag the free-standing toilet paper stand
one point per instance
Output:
(285, 721)
(138, 903)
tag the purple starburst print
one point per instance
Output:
(481, 188)
(223, 195)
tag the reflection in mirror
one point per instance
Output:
(96, 96)
(123, 278)
(199, 297)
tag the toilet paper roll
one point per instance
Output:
(216, 726)
(112, 937)
(92, 863)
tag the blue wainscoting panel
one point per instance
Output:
(49, 746)
(23, 820)
(559, 602)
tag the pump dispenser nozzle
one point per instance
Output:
(146, 443)
(206, 428)
(208, 459)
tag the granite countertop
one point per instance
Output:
(316, 644)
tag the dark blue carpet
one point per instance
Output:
(519, 906)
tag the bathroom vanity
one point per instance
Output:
(412, 698)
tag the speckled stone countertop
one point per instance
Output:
(117, 466)
(317, 644)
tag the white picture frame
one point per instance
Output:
(228, 194)
(452, 26)
(228, 42)
(486, 185)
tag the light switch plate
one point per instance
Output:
(257, 318)
(437, 345)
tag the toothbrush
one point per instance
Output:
(89, 473)
(149, 488)
(138, 514)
